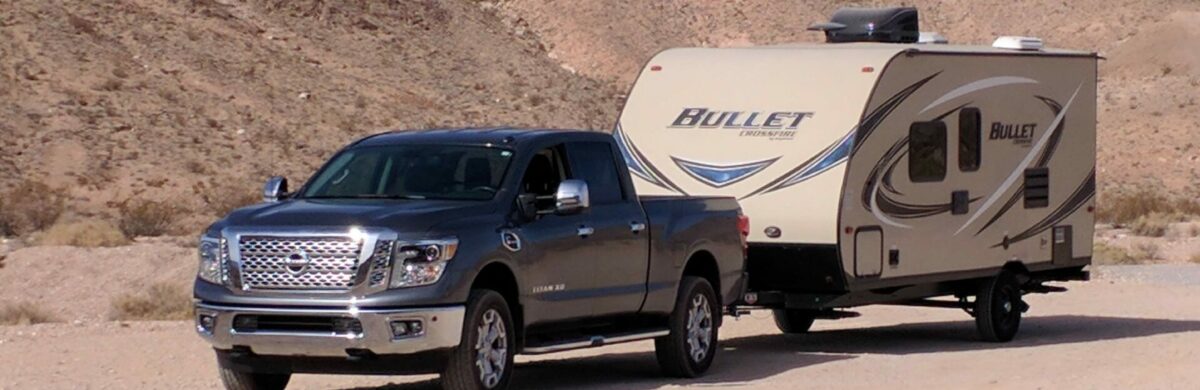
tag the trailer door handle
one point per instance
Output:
(585, 231)
(636, 227)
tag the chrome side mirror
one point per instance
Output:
(275, 188)
(571, 197)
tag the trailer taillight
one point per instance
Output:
(744, 229)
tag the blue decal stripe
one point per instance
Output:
(718, 176)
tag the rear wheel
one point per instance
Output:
(998, 308)
(484, 358)
(689, 350)
(792, 321)
(237, 380)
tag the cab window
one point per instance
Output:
(594, 163)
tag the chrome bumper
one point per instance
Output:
(442, 328)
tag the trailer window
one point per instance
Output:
(970, 135)
(927, 151)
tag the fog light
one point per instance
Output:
(205, 323)
(399, 329)
(407, 328)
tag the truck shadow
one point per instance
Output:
(748, 359)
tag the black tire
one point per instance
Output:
(674, 351)
(792, 321)
(237, 380)
(998, 308)
(461, 372)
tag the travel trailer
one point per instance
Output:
(881, 166)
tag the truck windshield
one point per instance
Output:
(446, 172)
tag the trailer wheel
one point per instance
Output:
(238, 380)
(998, 308)
(792, 321)
(484, 359)
(688, 350)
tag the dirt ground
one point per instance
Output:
(1132, 327)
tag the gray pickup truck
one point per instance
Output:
(449, 251)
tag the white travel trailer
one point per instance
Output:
(876, 169)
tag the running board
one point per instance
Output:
(593, 341)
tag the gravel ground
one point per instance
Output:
(1131, 327)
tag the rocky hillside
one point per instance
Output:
(196, 101)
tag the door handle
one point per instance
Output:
(637, 227)
(585, 231)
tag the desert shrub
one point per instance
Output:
(23, 313)
(29, 207)
(162, 301)
(1154, 224)
(1195, 259)
(1110, 255)
(89, 233)
(1125, 207)
(148, 218)
(1145, 251)
(223, 199)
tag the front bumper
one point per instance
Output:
(441, 329)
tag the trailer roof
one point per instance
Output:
(926, 48)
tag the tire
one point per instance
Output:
(998, 308)
(486, 310)
(689, 349)
(791, 321)
(237, 380)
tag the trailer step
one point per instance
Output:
(1043, 289)
(836, 314)
(593, 341)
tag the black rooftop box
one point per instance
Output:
(890, 25)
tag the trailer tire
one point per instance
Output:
(688, 350)
(998, 308)
(793, 321)
(487, 311)
(238, 380)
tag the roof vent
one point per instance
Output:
(1018, 43)
(890, 25)
(928, 37)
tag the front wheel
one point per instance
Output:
(484, 358)
(237, 380)
(688, 350)
(998, 308)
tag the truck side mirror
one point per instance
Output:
(275, 188)
(527, 206)
(571, 197)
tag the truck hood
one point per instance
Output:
(406, 216)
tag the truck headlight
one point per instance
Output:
(421, 263)
(210, 260)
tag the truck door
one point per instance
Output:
(618, 246)
(553, 258)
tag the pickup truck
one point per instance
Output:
(451, 250)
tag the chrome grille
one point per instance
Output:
(380, 263)
(332, 263)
